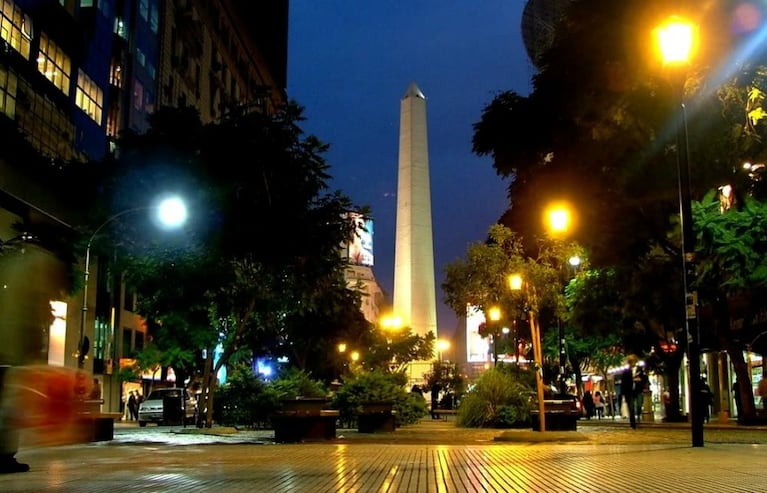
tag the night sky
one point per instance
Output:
(350, 63)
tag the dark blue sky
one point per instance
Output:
(350, 63)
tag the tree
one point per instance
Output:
(259, 269)
(732, 278)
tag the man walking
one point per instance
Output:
(627, 388)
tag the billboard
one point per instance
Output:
(359, 251)
(477, 347)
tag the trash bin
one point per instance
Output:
(172, 409)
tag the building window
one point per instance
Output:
(143, 9)
(116, 74)
(120, 28)
(53, 63)
(154, 18)
(15, 27)
(89, 97)
(8, 84)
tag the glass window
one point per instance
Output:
(8, 93)
(15, 27)
(53, 63)
(143, 9)
(89, 97)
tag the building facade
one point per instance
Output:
(74, 74)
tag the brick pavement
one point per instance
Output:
(432, 456)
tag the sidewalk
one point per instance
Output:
(430, 456)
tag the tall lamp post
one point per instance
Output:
(171, 212)
(676, 38)
(559, 219)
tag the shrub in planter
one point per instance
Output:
(245, 400)
(378, 386)
(293, 383)
(499, 399)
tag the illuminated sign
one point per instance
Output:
(360, 250)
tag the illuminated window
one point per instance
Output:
(116, 74)
(89, 97)
(15, 27)
(8, 84)
(53, 63)
(143, 9)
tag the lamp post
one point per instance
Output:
(171, 212)
(559, 219)
(676, 38)
(516, 284)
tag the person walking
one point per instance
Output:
(706, 400)
(599, 404)
(133, 406)
(736, 396)
(762, 388)
(9, 431)
(627, 388)
(588, 404)
(435, 389)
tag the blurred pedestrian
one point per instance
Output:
(588, 404)
(762, 388)
(95, 393)
(9, 433)
(435, 389)
(627, 388)
(706, 400)
(133, 406)
(599, 404)
(736, 396)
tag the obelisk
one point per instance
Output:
(414, 292)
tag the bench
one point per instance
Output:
(376, 417)
(303, 426)
(445, 413)
(97, 426)
(559, 415)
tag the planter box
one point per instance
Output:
(376, 417)
(303, 420)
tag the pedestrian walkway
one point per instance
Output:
(431, 456)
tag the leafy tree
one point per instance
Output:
(732, 277)
(258, 270)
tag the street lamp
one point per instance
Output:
(442, 346)
(676, 40)
(559, 221)
(171, 212)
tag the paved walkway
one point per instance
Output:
(432, 456)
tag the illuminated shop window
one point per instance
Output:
(53, 63)
(15, 27)
(89, 97)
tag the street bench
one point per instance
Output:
(445, 413)
(376, 417)
(559, 415)
(97, 426)
(304, 426)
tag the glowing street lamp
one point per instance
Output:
(171, 213)
(559, 221)
(442, 346)
(676, 41)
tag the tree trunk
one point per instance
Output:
(204, 420)
(747, 413)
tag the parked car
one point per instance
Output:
(152, 408)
